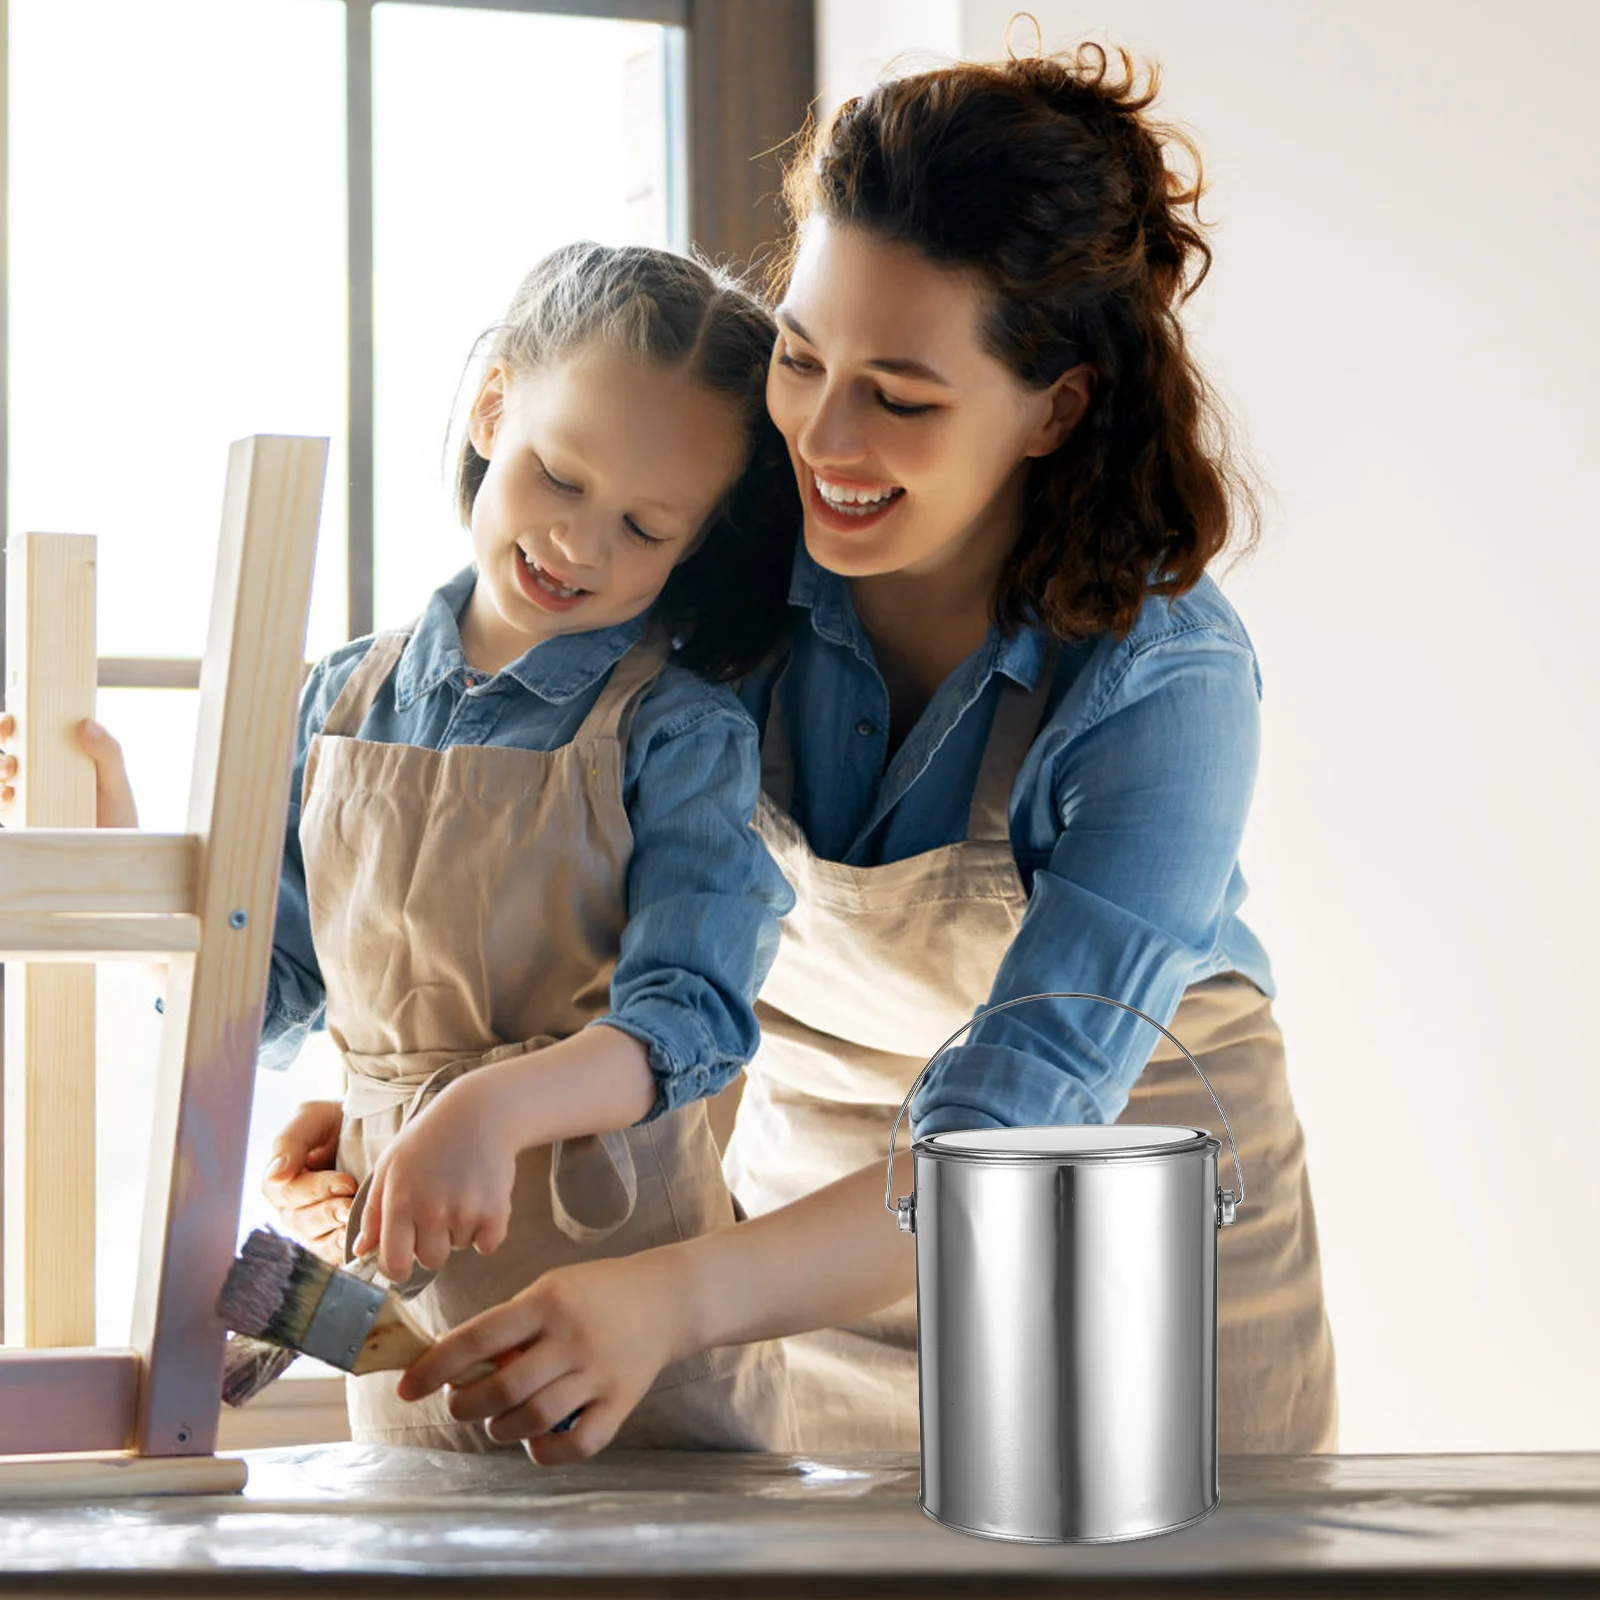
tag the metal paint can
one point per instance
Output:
(1067, 1323)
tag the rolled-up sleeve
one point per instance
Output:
(704, 900)
(295, 994)
(1151, 788)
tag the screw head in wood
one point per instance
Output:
(238, 919)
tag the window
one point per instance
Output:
(472, 183)
(239, 216)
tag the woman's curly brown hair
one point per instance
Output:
(1045, 177)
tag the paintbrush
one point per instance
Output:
(282, 1301)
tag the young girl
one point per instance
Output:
(1011, 749)
(520, 885)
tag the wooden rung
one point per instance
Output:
(85, 1478)
(157, 672)
(148, 672)
(97, 870)
(73, 1400)
(37, 936)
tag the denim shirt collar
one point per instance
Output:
(556, 669)
(826, 596)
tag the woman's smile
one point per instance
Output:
(847, 506)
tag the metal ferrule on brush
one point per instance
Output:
(343, 1319)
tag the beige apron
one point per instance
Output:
(467, 905)
(876, 968)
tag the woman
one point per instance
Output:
(1011, 749)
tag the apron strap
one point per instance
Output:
(616, 1172)
(1017, 718)
(361, 688)
(612, 713)
(603, 1194)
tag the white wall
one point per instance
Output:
(855, 41)
(1402, 312)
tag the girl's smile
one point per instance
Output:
(545, 588)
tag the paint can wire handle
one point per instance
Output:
(1228, 1200)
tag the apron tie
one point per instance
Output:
(594, 1185)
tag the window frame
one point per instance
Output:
(749, 69)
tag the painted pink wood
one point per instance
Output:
(66, 1400)
(249, 686)
(189, 1258)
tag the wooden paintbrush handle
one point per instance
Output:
(395, 1341)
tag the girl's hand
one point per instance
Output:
(445, 1182)
(311, 1199)
(591, 1337)
(114, 804)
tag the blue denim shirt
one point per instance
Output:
(1125, 819)
(704, 897)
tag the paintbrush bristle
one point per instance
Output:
(273, 1288)
(249, 1365)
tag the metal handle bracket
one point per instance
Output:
(905, 1209)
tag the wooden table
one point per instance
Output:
(357, 1520)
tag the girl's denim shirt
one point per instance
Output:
(704, 897)
(1125, 819)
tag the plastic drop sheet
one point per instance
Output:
(359, 1512)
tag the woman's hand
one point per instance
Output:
(591, 1338)
(114, 804)
(311, 1199)
(445, 1181)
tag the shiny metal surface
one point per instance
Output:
(1067, 1339)
(342, 1320)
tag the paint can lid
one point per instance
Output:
(1064, 1143)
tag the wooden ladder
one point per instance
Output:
(205, 900)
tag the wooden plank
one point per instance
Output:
(71, 1400)
(82, 869)
(82, 1478)
(49, 1161)
(40, 936)
(148, 672)
(50, 675)
(50, 1009)
(668, 13)
(155, 672)
(238, 800)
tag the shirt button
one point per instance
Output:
(864, 728)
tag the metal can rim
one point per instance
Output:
(1196, 1145)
